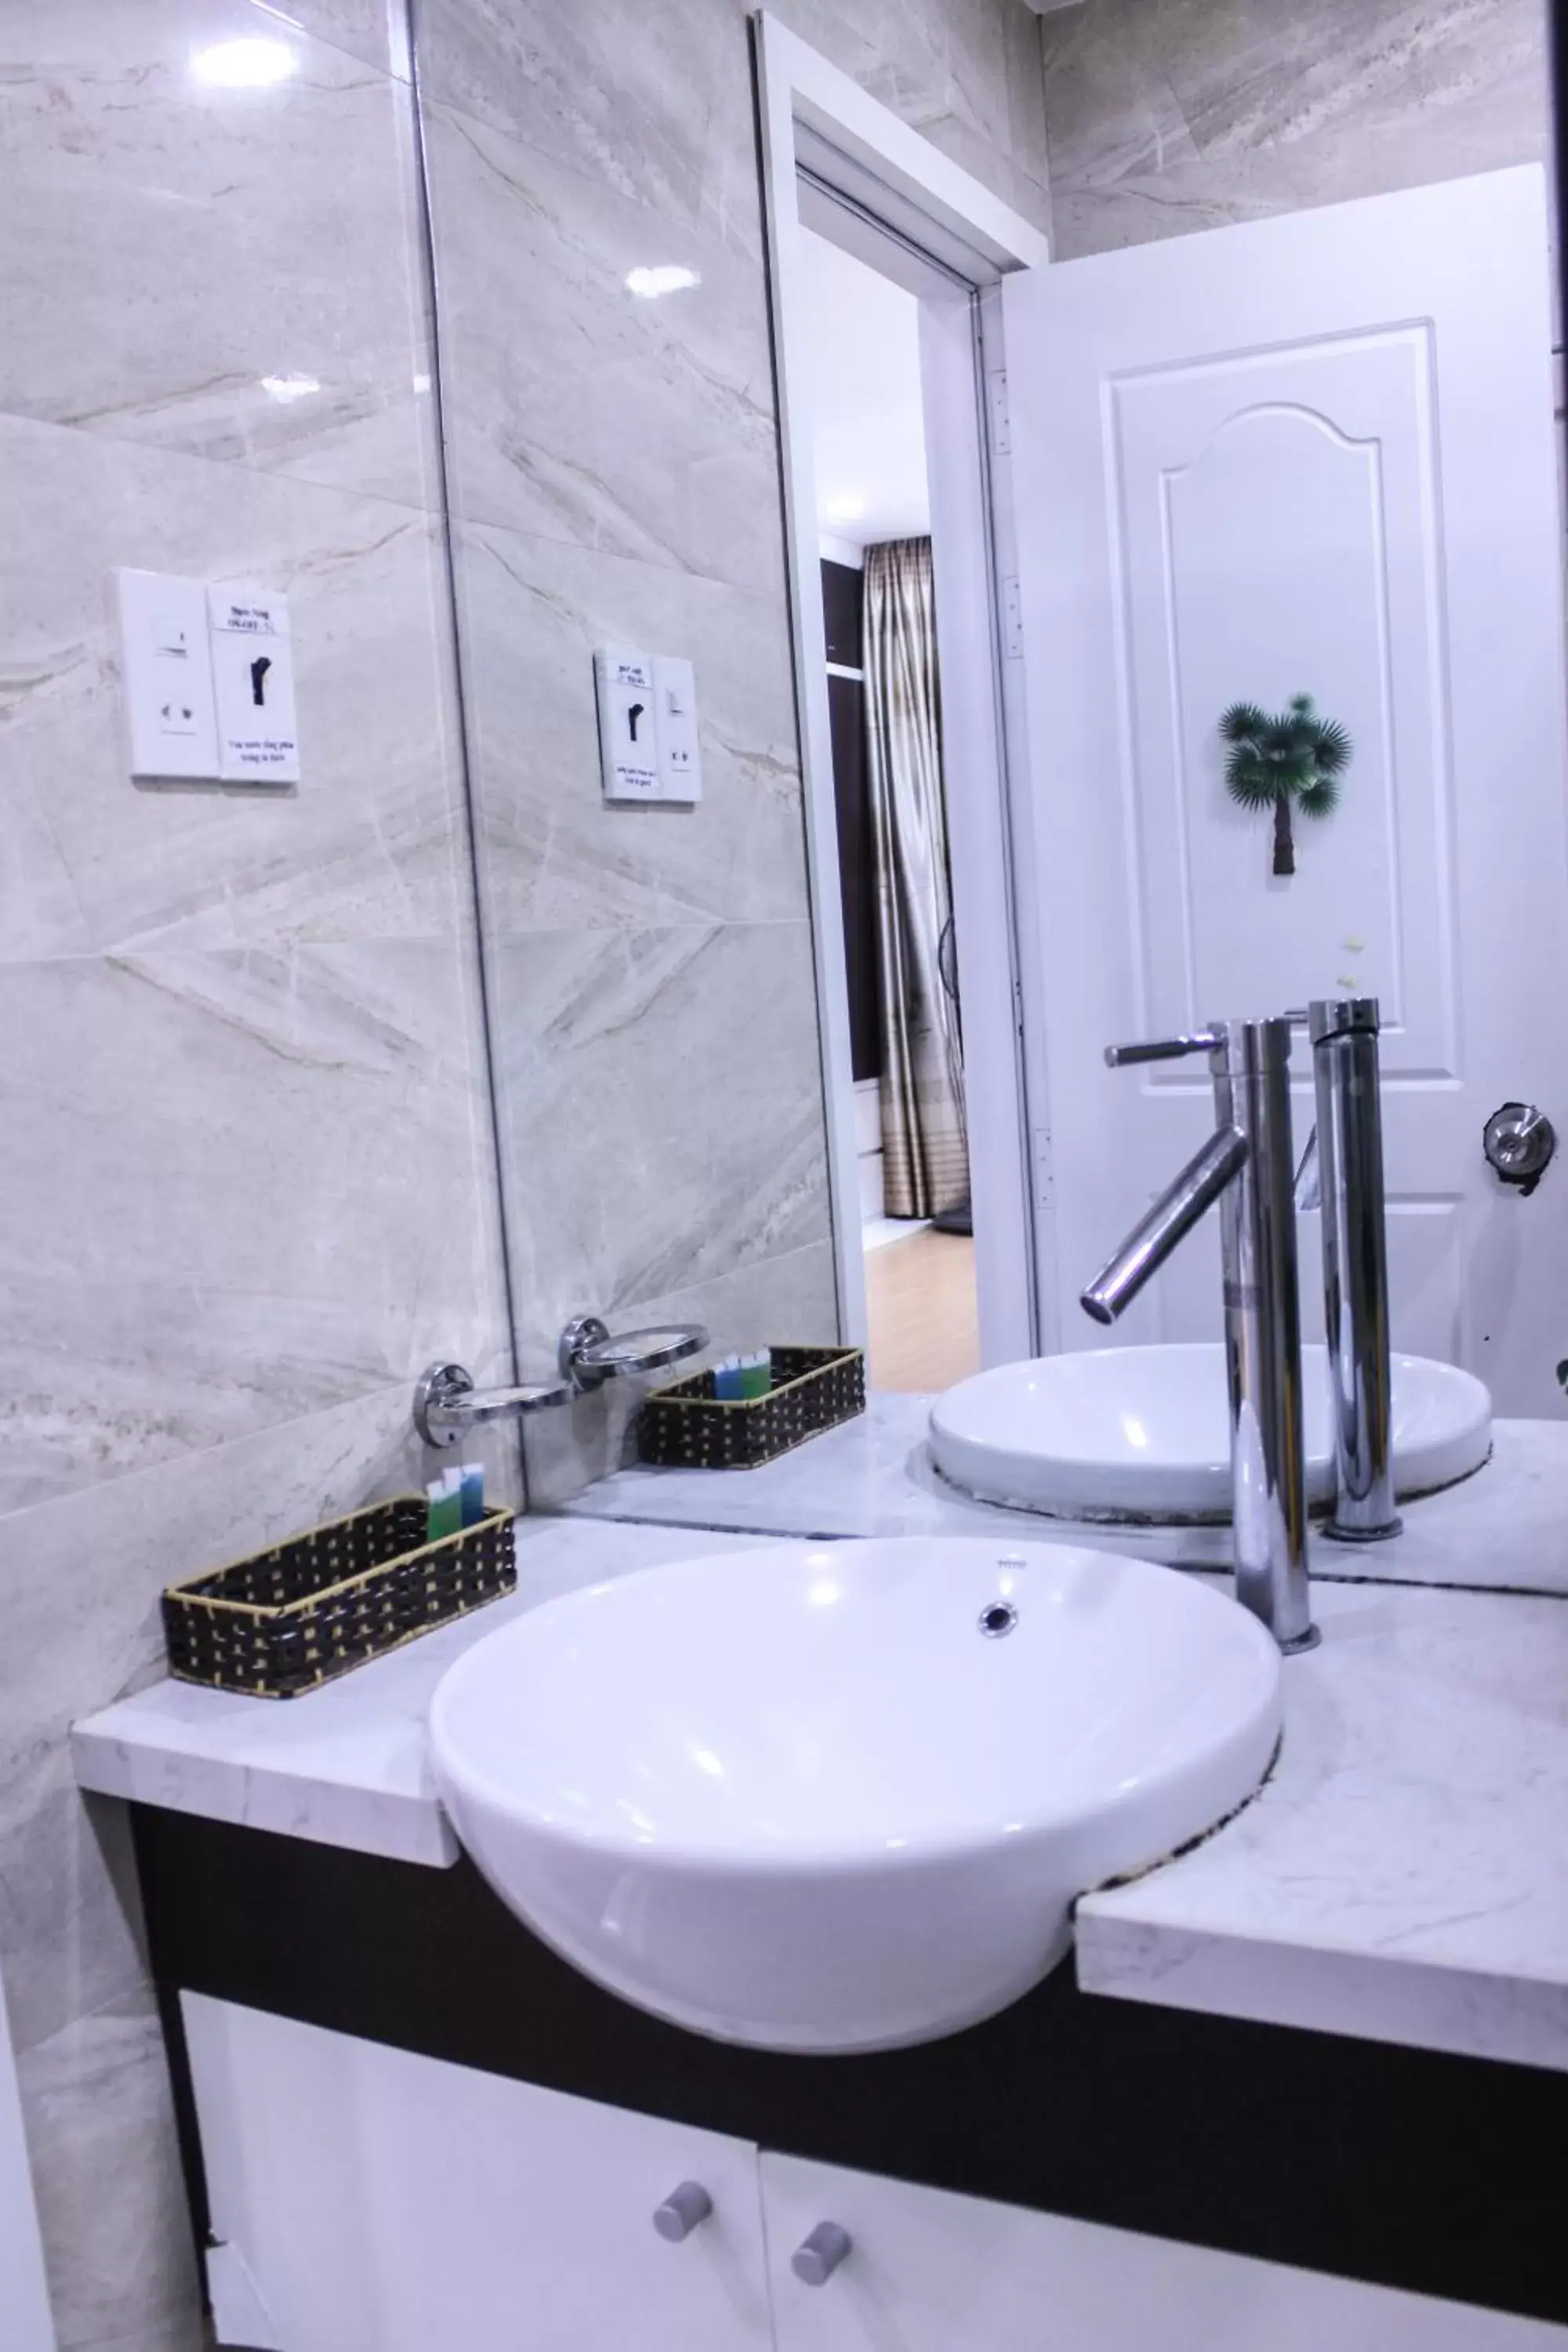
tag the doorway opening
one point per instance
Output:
(885, 263)
(883, 682)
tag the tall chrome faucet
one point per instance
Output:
(1349, 1189)
(1248, 1165)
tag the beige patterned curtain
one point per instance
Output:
(925, 1151)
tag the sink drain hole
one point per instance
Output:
(997, 1618)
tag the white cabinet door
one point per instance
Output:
(1309, 455)
(933, 2273)
(367, 2200)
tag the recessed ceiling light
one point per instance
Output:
(244, 65)
(849, 509)
(667, 278)
(289, 387)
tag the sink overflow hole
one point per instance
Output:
(997, 1618)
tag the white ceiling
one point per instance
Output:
(868, 430)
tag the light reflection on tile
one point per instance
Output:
(126, 169)
(643, 426)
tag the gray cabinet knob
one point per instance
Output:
(816, 2261)
(681, 2211)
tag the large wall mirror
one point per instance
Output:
(1148, 611)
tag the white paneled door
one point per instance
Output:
(1309, 455)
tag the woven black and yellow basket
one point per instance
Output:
(284, 1621)
(687, 1427)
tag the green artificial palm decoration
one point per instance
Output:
(1292, 761)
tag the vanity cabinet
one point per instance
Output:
(930, 2271)
(367, 2199)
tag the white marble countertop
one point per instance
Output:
(1404, 1874)
(1504, 1530)
(346, 1765)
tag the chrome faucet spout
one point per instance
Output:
(1247, 1167)
(1178, 1209)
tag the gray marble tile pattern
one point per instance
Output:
(218, 1167)
(1201, 112)
(372, 845)
(144, 210)
(642, 423)
(683, 1062)
(552, 855)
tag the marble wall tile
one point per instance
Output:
(961, 72)
(246, 1171)
(1028, 142)
(1206, 111)
(378, 31)
(106, 2165)
(661, 108)
(643, 425)
(661, 1112)
(551, 853)
(143, 212)
(777, 1302)
(239, 1186)
(371, 845)
(657, 109)
(79, 1581)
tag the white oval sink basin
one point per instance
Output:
(797, 1796)
(1144, 1433)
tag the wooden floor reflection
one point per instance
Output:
(920, 1301)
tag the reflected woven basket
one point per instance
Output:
(687, 1427)
(285, 1621)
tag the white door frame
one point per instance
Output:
(812, 112)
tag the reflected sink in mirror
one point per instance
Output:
(1117, 1433)
(843, 1797)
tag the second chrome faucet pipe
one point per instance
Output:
(1344, 1033)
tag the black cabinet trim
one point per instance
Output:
(1444, 2176)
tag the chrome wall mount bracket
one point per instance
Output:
(588, 1353)
(447, 1403)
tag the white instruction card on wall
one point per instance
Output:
(253, 677)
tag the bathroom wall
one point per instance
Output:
(615, 481)
(1199, 113)
(245, 1175)
(245, 1188)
